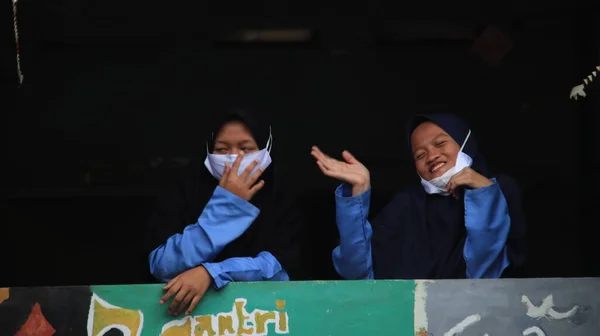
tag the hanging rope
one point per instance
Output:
(17, 48)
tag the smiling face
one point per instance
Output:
(434, 151)
(234, 137)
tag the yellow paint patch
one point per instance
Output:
(4, 294)
(106, 315)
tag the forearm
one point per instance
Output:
(224, 219)
(260, 268)
(488, 223)
(352, 258)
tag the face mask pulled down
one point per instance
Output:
(438, 184)
(215, 163)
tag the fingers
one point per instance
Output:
(316, 153)
(226, 171)
(349, 157)
(172, 290)
(185, 302)
(170, 283)
(193, 304)
(236, 164)
(320, 156)
(249, 170)
(252, 179)
(456, 181)
(326, 171)
(177, 300)
(256, 188)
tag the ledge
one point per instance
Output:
(494, 307)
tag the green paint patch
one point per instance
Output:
(295, 308)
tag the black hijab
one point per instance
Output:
(422, 236)
(276, 229)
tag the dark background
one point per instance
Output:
(115, 95)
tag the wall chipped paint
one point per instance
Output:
(422, 308)
(549, 307)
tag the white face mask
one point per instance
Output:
(438, 184)
(215, 163)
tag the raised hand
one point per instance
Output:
(243, 185)
(350, 170)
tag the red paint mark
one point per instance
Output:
(422, 332)
(36, 324)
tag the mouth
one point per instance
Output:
(436, 167)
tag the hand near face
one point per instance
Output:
(467, 178)
(244, 185)
(188, 288)
(351, 171)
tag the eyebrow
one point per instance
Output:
(226, 143)
(421, 147)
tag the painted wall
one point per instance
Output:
(484, 307)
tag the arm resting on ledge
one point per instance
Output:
(225, 218)
(263, 267)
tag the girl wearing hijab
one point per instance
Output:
(229, 220)
(461, 222)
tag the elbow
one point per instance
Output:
(157, 269)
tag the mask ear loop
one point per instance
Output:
(269, 141)
(465, 142)
(212, 136)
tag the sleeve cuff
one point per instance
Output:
(482, 191)
(214, 270)
(344, 192)
(239, 202)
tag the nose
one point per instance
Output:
(233, 150)
(432, 156)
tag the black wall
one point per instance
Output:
(107, 92)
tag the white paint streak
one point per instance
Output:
(420, 312)
(560, 316)
(178, 323)
(546, 309)
(461, 326)
(533, 330)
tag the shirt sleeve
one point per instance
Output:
(352, 258)
(263, 267)
(225, 218)
(487, 221)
